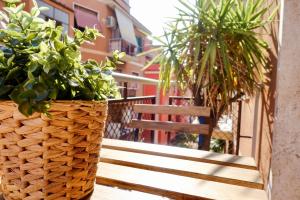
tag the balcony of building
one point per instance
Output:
(136, 168)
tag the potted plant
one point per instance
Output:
(215, 50)
(53, 107)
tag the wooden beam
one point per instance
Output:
(170, 126)
(172, 110)
(194, 169)
(172, 186)
(181, 153)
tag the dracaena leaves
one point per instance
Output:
(39, 63)
(215, 49)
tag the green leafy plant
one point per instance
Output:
(186, 140)
(215, 49)
(40, 63)
(217, 145)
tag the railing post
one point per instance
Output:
(137, 131)
(238, 132)
(156, 117)
(203, 141)
(153, 101)
(125, 90)
(169, 118)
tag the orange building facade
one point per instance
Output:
(120, 30)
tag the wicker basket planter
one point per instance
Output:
(51, 158)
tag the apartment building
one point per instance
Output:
(112, 18)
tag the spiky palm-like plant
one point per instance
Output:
(215, 49)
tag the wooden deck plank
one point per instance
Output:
(102, 192)
(172, 186)
(181, 153)
(169, 126)
(205, 171)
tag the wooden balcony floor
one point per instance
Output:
(130, 170)
(178, 173)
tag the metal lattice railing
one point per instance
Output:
(120, 113)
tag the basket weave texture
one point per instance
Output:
(50, 157)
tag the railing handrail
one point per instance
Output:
(131, 99)
(131, 78)
(190, 98)
(181, 97)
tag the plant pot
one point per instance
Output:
(51, 157)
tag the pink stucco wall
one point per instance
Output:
(258, 111)
(270, 120)
(286, 138)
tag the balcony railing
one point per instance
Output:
(120, 113)
(122, 46)
(125, 79)
(115, 44)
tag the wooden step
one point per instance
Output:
(172, 186)
(181, 153)
(205, 171)
(102, 192)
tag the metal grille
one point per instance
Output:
(120, 113)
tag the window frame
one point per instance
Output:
(52, 17)
(84, 7)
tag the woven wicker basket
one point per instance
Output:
(50, 158)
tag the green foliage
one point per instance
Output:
(189, 140)
(217, 145)
(215, 49)
(40, 63)
(186, 140)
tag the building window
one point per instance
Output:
(140, 44)
(86, 18)
(122, 46)
(61, 17)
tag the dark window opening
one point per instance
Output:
(53, 13)
(78, 27)
(86, 18)
(140, 44)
